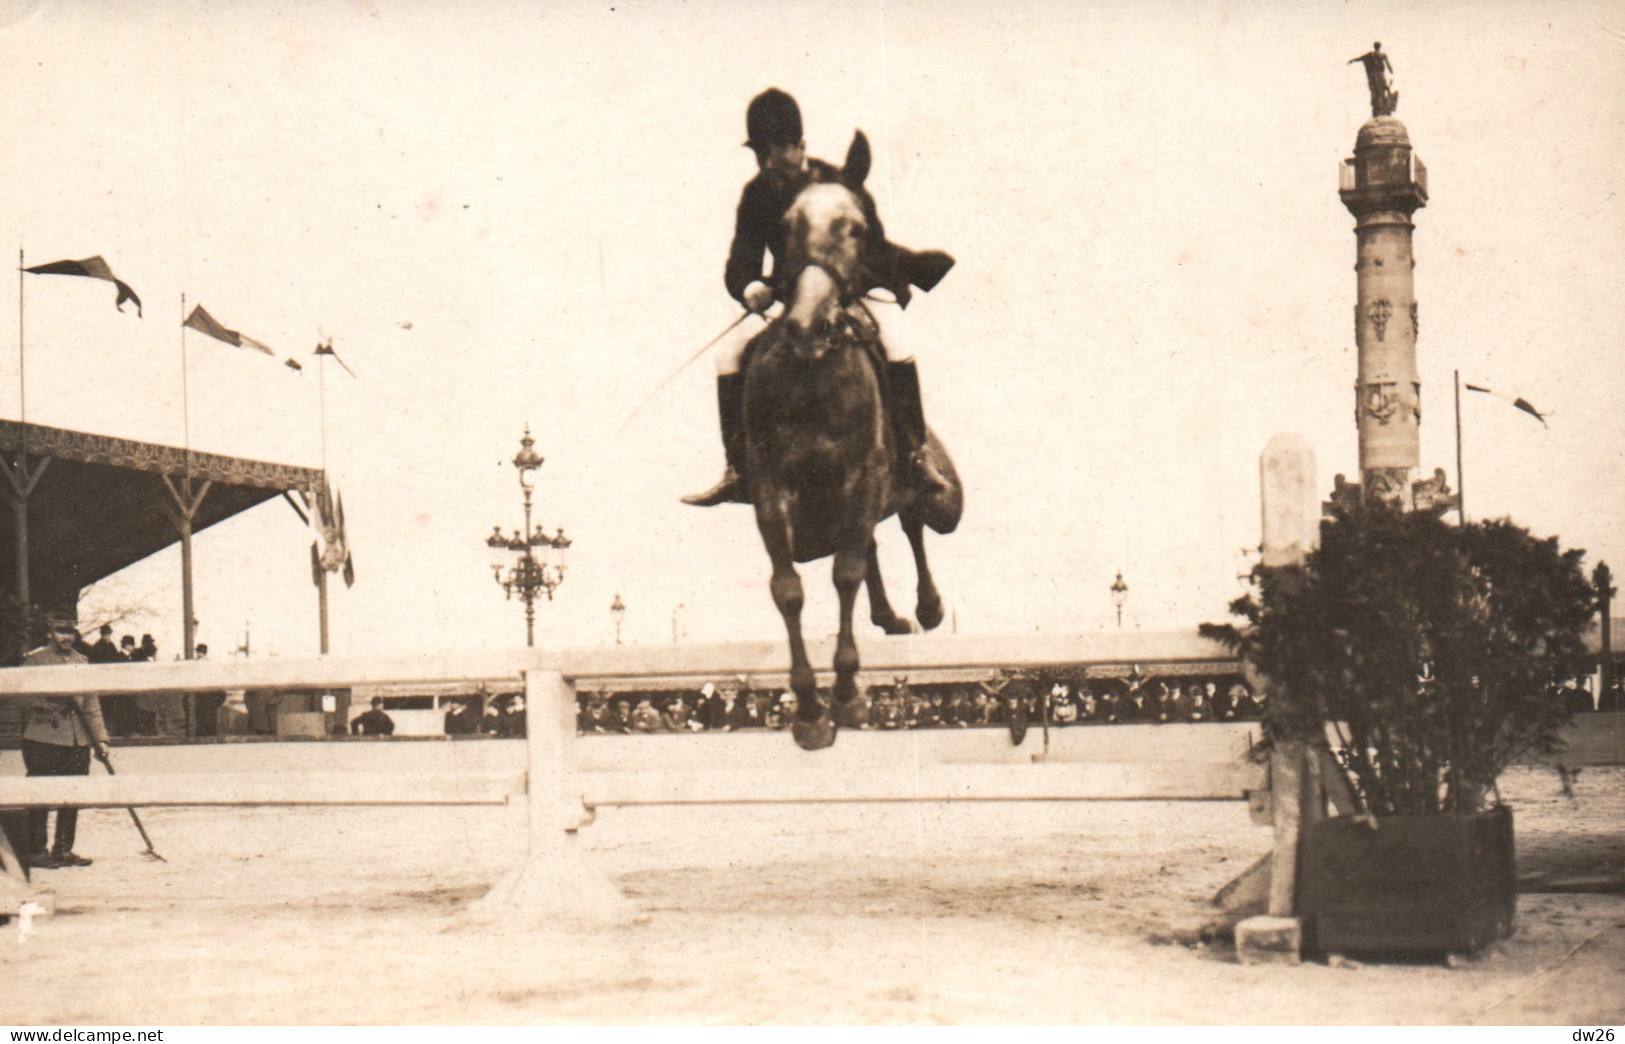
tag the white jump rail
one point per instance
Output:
(568, 776)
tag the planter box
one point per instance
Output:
(1414, 884)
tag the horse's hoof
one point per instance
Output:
(814, 735)
(897, 625)
(930, 616)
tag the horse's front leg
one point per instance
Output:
(772, 520)
(881, 614)
(814, 725)
(850, 569)
(788, 596)
(928, 602)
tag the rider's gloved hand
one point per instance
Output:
(758, 297)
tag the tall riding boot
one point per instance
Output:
(67, 823)
(903, 382)
(730, 413)
(39, 830)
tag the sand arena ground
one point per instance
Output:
(888, 914)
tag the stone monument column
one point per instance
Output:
(1382, 186)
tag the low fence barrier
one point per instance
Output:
(568, 775)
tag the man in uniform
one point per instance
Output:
(374, 722)
(59, 736)
(773, 122)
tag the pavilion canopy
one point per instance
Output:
(103, 503)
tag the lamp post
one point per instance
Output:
(531, 564)
(1119, 596)
(617, 612)
(676, 614)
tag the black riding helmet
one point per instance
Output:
(773, 118)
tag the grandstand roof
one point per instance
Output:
(101, 503)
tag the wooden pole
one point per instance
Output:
(321, 602)
(182, 508)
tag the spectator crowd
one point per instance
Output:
(127, 714)
(732, 706)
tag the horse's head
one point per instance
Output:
(827, 239)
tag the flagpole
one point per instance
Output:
(1461, 483)
(321, 566)
(186, 405)
(321, 408)
(188, 508)
(18, 477)
(22, 384)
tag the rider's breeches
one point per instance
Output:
(731, 348)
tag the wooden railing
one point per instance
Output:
(568, 775)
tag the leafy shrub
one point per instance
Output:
(1433, 649)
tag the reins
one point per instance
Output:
(673, 374)
(867, 296)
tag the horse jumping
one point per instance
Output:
(822, 451)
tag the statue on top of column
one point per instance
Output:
(1379, 76)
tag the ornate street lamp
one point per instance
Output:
(617, 612)
(533, 564)
(1119, 596)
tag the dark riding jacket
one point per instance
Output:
(759, 228)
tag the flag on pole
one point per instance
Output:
(1522, 404)
(326, 348)
(349, 558)
(203, 322)
(329, 519)
(93, 268)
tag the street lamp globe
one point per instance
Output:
(527, 460)
(497, 548)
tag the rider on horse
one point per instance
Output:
(773, 122)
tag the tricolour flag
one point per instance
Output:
(93, 268)
(203, 322)
(1522, 404)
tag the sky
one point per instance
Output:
(511, 214)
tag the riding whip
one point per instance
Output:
(107, 763)
(686, 364)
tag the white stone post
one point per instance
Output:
(1291, 529)
(555, 884)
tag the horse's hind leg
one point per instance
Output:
(881, 614)
(849, 571)
(928, 604)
